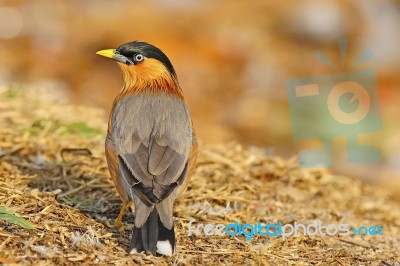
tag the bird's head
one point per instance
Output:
(144, 66)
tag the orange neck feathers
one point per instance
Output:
(149, 75)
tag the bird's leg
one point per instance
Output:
(118, 221)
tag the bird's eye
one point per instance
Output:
(138, 58)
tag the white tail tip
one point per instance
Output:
(164, 248)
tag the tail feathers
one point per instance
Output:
(166, 240)
(153, 237)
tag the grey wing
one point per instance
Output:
(153, 144)
(154, 171)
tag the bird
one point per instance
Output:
(151, 146)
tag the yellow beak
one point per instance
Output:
(113, 54)
(110, 53)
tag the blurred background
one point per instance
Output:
(233, 60)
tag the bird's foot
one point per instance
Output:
(118, 225)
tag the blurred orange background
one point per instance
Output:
(232, 58)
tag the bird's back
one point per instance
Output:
(153, 138)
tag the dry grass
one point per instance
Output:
(53, 173)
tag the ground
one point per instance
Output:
(53, 174)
